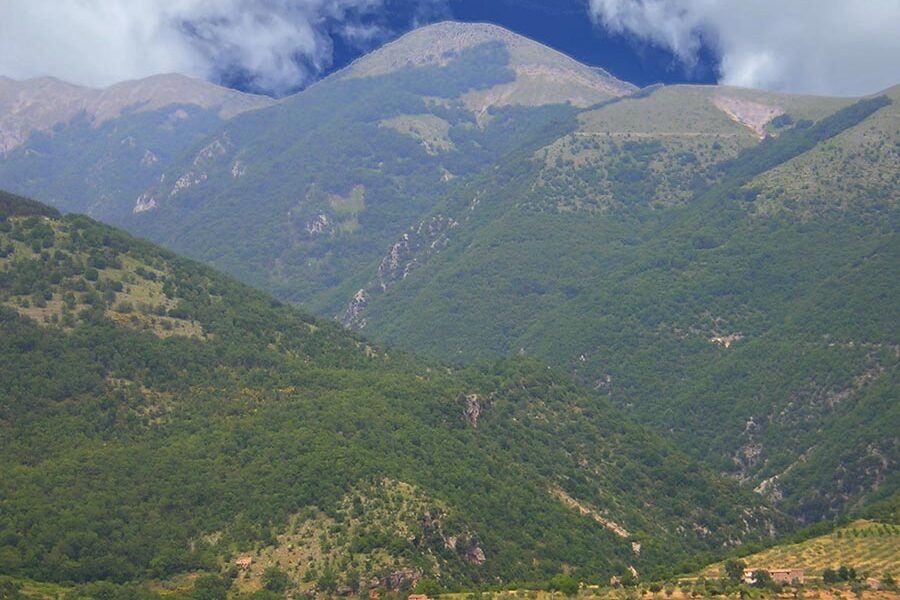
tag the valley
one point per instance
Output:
(184, 420)
(466, 318)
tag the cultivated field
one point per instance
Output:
(873, 549)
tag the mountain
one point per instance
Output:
(159, 418)
(542, 75)
(105, 144)
(40, 105)
(720, 262)
(317, 186)
(713, 285)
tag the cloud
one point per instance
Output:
(840, 47)
(272, 46)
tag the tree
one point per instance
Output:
(210, 587)
(628, 579)
(734, 569)
(429, 587)
(761, 578)
(565, 584)
(829, 576)
(276, 580)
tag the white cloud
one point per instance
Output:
(275, 45)
(841, 47)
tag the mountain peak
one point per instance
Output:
(543, 75)
(41, 103)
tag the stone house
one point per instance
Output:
(780, 576)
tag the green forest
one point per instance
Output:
(158, 417)
(639, 302)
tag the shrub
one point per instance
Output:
(276, 580)
(565, 584)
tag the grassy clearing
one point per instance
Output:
(315, 546)
(137, 297)
(32, 589)
(431, 131)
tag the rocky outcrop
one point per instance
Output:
(397, 580)
(389, 269)
(412, 247)
(405, 255)
(465, 544)
(198, 173)
(472, 410)
(318, 226)
(355, 310)
(752, 115)
(475, 555)
(144, 203)
(588, 511)
(726, 341)
(149, 159)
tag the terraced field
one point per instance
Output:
(871, 548)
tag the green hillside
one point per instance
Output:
(268, 197)
(872, 548)
(720, 264)
(103, 147)
(158, 419)
(764, 342)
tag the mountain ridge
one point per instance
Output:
(40, 104)
(535, 65)
(718, 262)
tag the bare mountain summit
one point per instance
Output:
(543, 75)
(43, 103)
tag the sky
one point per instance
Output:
(277, 47)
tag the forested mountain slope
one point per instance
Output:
(721, 262)
(86, 150)
(744, 307)
(159, 418)
(303, 198)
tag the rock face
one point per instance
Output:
(38, 105)
(475, 555)
(355, 310)
(406, 254)
(753, 115)
(472, 410)
(318, 226)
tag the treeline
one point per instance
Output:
(12, 205)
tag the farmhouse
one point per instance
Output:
(783, 576)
